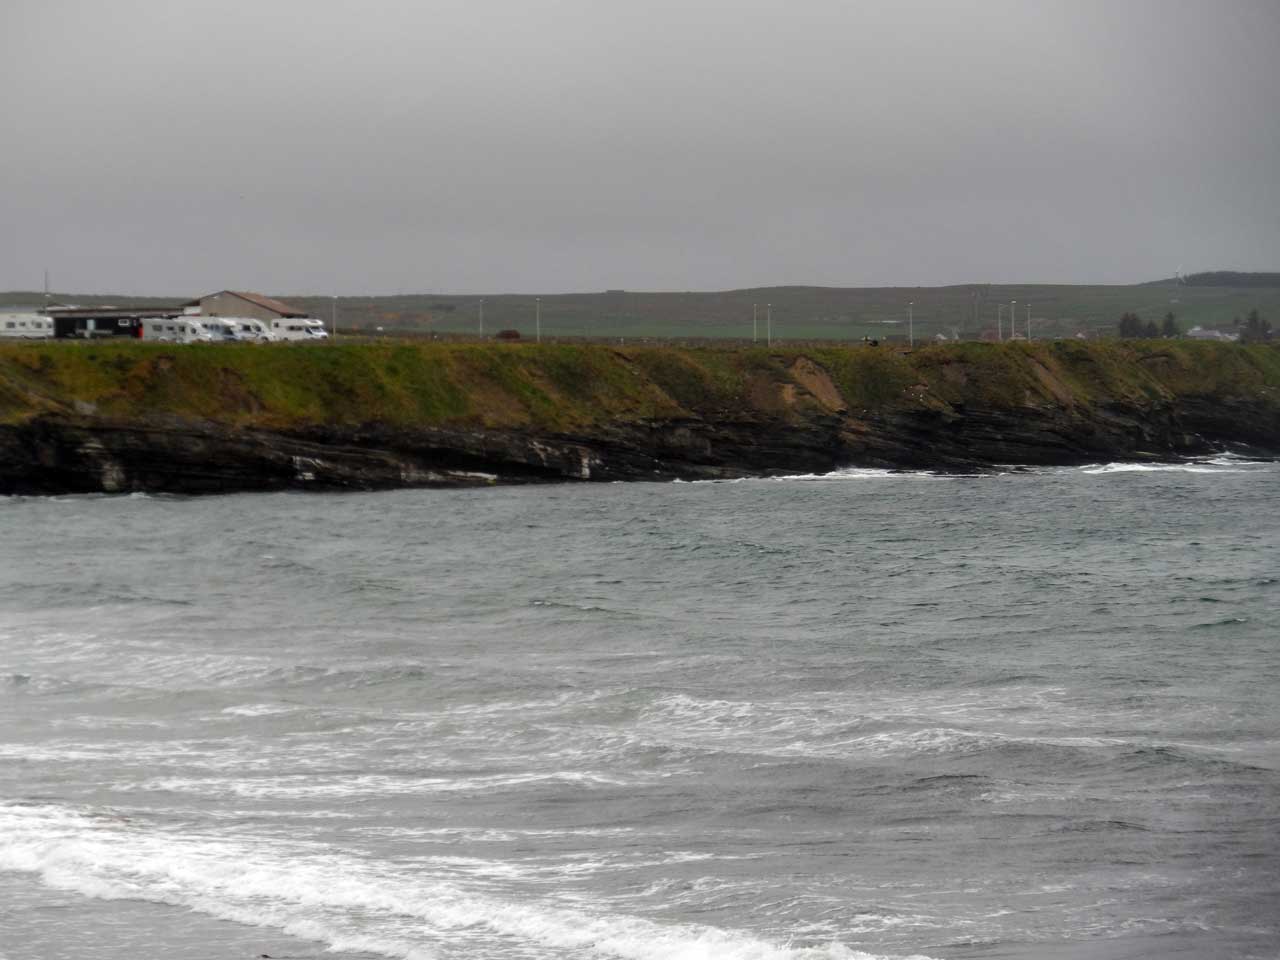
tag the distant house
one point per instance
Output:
(239, 303)
(1199, 333)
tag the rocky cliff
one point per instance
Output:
(115, 417)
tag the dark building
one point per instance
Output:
(104, 321)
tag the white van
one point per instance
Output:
(176, 330)
(247, 328)
(298, 328)
(27, 326)
(220, 329)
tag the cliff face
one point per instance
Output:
(80, 417)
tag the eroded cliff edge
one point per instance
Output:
(117, 417)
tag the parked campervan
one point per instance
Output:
(220, 329)
(298, 328)
(251, 329)
(25, 325)
(176, 330)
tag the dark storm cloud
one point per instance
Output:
(469, 146)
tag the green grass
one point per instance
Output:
(812, 313)
(572, 387)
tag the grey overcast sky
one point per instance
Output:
(394, 146)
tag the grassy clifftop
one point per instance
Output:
(572, 388)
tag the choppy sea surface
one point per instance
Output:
(863, 715)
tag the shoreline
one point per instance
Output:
(120, 418)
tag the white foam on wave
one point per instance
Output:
(257, 710)
(345, 902)
(306, 786)
(1235, 460)
(471, 835)
(860, 473)
(951, 740)
(1208, 467)
(844, 473)
(822, 726)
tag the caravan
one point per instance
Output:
(298, 328)
(27, 326)
(220, 329)
(250, 329)
(176, 330)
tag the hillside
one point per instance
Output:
(133, 416)
(814, 313)
(800, 313)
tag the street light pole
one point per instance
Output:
(911, 327)
(482, 318)
(768, 322)
(537, 317)
(1013, 318)
(1028, 322)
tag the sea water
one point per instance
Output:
(868, 714)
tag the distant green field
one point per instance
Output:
(799, 313)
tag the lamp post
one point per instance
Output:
(482, 318)
(1013, 318)
(768, 322)
(537, 318)
(911, 327)
(1028, 321)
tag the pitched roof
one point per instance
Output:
(267, 303)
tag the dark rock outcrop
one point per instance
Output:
(138, 417)
(84, 453)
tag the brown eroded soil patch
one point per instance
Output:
(1052, 383)
(765, 394)
(815, 380)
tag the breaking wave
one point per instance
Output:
(347, 904)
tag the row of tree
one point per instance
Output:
(1131, 326)
(1254, 329)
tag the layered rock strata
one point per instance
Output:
(794, 417)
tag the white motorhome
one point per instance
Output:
(27, 326)
(298, 328)
(176, 330)
(220, 329)
(250, 329)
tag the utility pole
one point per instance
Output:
(537, 318)
(1013, 318)
(755, 314)
(1028, 321)
(911, 327)
(768, 320)
(482, 318)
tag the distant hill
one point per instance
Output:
(1230, 278)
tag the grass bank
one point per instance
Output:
(568, 388)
